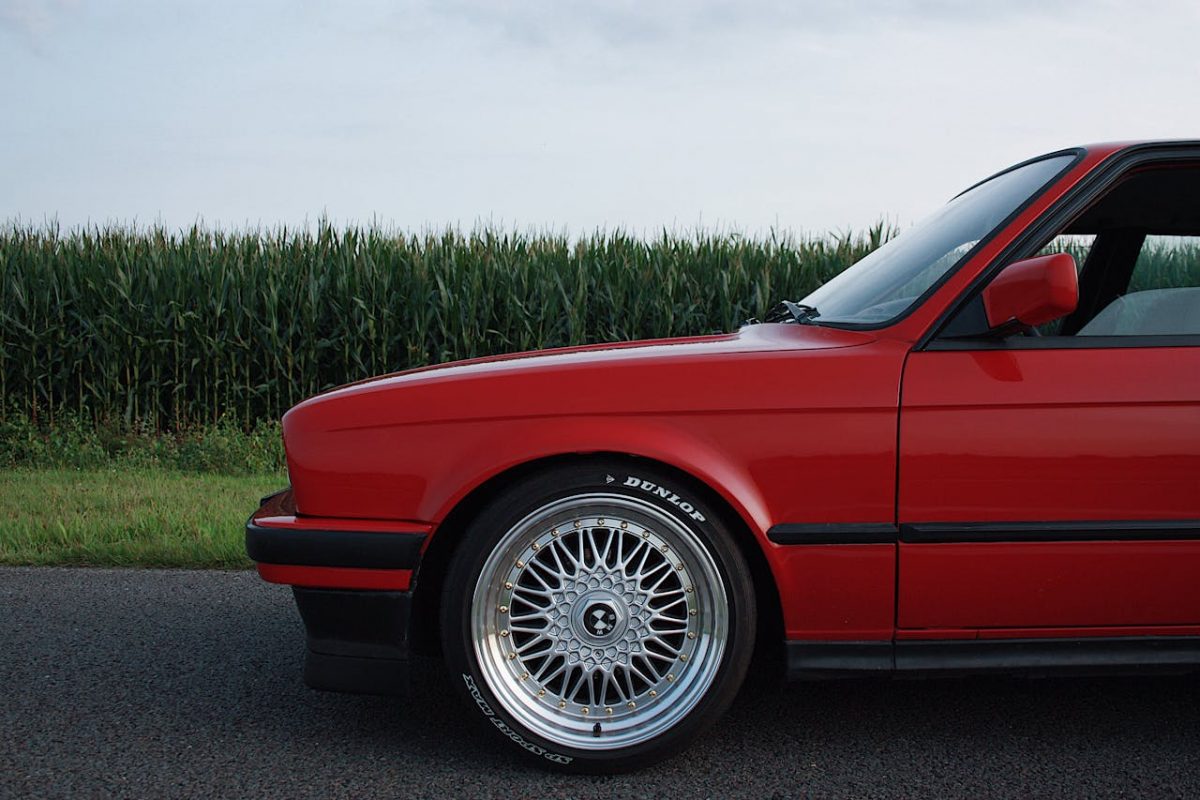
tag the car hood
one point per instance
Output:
(750, 338)
(661, 376)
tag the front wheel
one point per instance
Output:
(599, 616)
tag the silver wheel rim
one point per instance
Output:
(599, 621)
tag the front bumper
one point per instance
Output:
(357, 640)
(352, 581)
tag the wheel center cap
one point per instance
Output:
(600, 618)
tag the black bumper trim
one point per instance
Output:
(355, 675)
(317, 548)
(357, 640)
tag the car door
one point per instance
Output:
(1050, 486)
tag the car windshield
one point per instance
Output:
(889, 281)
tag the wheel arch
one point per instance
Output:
(749, 536)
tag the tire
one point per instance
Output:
(598, 616)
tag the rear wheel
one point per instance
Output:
(599, 616)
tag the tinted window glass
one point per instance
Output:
(1163, 298)
(885, 284)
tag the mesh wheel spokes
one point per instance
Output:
(599, 621)
(599, 616)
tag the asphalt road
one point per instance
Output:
(172, 684)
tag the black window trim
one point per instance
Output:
(1075, 202)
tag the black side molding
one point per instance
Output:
(791, 533)
(1072, 531)
(833, 533)
(360, 549)
(815, 660)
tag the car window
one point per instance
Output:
(1137, 249)
(1167, 262)
(1163, 297)
(1078, 245)
(890, 280)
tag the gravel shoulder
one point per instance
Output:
(171, 683)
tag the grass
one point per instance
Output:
(79, 443)
(109, 494)
(119, 517)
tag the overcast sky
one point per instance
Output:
(743, 115)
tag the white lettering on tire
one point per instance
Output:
(507, 731)
(666, 494)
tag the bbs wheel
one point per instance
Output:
(599, 616)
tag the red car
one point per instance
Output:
(976, 449)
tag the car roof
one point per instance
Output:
(1109, 148)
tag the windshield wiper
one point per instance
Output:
(787, 312)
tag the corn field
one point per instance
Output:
(169, 330)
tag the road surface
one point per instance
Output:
(138, 683)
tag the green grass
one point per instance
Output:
(127, 517)
(79, 443)
(78, 493)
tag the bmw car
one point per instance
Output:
(976, 449)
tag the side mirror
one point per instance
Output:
(1032, 292)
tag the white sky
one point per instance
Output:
(747, 115)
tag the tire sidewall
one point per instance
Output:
(673, 496)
